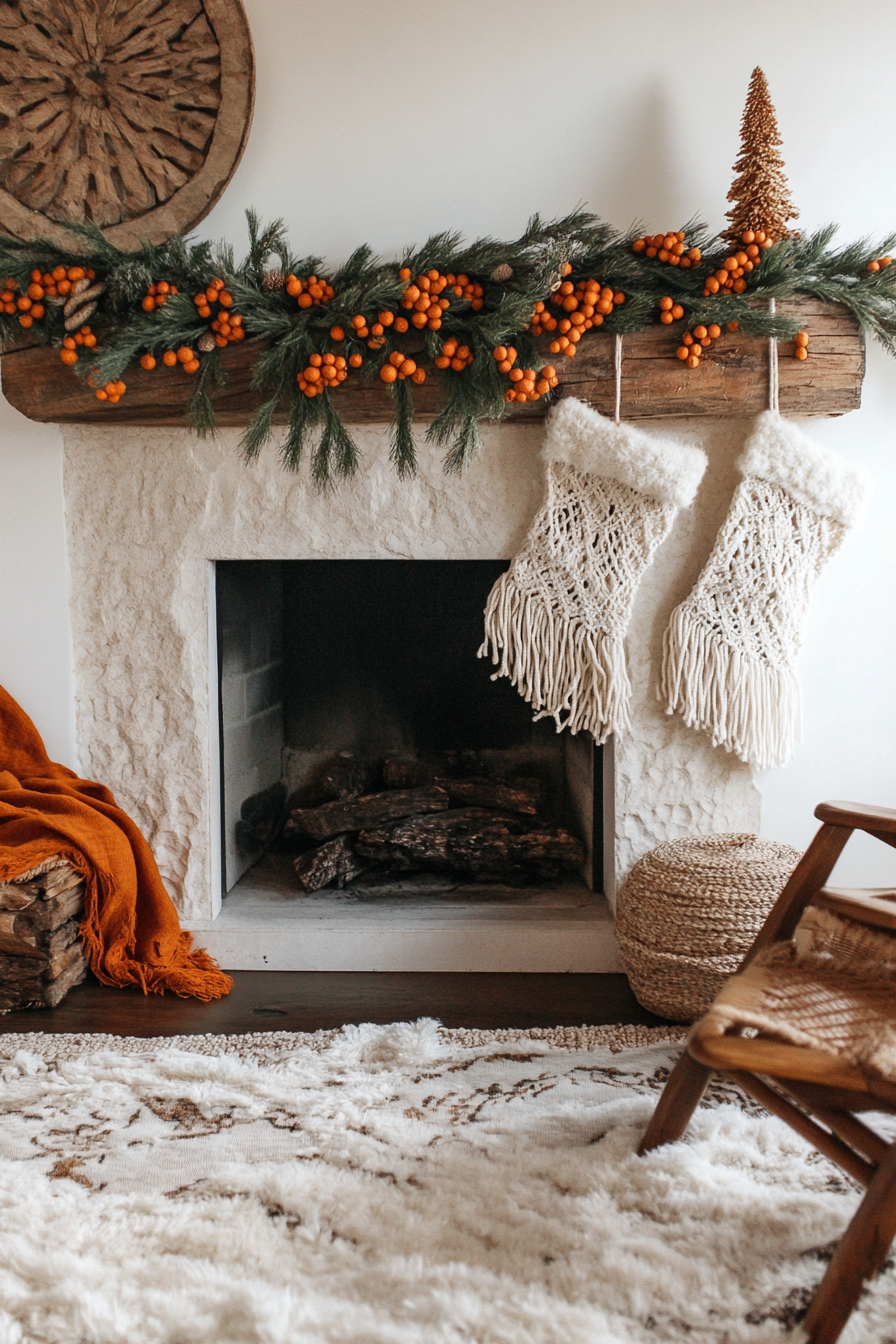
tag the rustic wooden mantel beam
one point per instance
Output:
(731, 381)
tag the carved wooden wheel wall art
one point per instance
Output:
(130, 114)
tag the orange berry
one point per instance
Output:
(101, 394)
(149, 304)
(732, 326)
(693, 361)
(714, 330)
(185, 354)
(388, 373)
(677, 311)
(740, 286)
(801, 338)
(37, 311)
(667, 318)
(418, 376)
(874, 265)
(147, 361)
(191, 366)
(25, 320)
(700, 332)
(68, 356)
(666, 304)
(356, 361)
(682, 352)
(801, 352)
(337, 334)
(169, 358)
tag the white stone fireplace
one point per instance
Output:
(150, 511)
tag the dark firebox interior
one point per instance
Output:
(379, 659)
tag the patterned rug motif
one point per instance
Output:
(390, 1185)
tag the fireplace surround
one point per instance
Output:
(149, 512)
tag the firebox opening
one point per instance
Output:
(345, 678)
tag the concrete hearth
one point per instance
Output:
(150, 511)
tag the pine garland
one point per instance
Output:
(294, 335)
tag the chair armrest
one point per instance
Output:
(873, 906)
(858, 816)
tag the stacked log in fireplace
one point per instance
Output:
(401, 816)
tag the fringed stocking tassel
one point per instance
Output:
(555, 622)
(730, 651)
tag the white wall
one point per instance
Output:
(403, 119)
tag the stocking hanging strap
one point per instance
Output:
(619, 375)
(772, 365)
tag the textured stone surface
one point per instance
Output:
(146, 512)
(670, 781)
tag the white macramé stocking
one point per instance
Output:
(730, 650)
(555, 622)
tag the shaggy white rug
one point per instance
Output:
(399, 1185)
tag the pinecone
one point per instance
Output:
(273, 281)
(206, 342)
(502, 272)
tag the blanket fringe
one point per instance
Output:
(576, 676)
(189, 973)
(747, 706)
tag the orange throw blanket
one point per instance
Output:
(131, 932)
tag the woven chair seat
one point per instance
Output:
(833, 989)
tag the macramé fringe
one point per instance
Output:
(576, 676)
(747, 706)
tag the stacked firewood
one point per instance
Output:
(41, 956)
(408, 815)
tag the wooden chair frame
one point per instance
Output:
(814, 1092)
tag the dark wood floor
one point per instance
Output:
(309, 1000)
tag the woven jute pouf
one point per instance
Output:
(689, 911)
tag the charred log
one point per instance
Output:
(374, 809)
(483, 844)
(333, 862)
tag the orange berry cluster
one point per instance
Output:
(454, 356)
(215, 293)
(50, 284)
(372, 332)
(111, 392)
(309, 291)
(44, 285)
(801, 342)
(69, 352)
(185, 356)
(323, 371)
(464, 288)
(228, 326)
(670, 311)
(400, 367)
(584, 306)
(668, 247)
(541, 320)
(879, 264)
(421, 298)
(157, 295)
(527, 384)
(730, 275)
(693, 343)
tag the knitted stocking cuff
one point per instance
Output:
(555, 622)
(730, 650)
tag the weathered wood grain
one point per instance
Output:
(731, 381)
